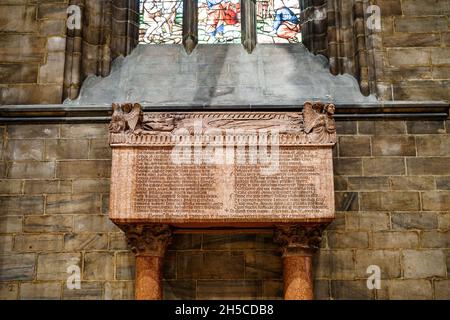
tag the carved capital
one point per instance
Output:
(299, 239)
(148, 239)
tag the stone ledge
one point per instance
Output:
(61, 113)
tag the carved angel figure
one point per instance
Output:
(125, 117)
(315, 122)
(117, 120)
(319, 123)
(132, 115)
(330, 123)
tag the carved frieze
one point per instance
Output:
(131, 126)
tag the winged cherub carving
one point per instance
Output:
(132, 115)
(117, 123)
(314, 121)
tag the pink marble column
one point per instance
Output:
(298, 244)
(149, 242)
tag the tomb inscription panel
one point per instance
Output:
(222, 169)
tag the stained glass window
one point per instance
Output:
(160, 21)
(278, 21)
(219, 21)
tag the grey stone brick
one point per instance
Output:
(18, 266)
(273, 289)
(354, 146)
(350, 290)
(414, 220)
(388, 127)
(31, 170)
(374, 221)
(66, 149)
(433, 145)
(435, 239)
(47, 186)
(409, 56)
(383, 166)
(117, 241)
(442, 289)
(443, 183)
(436, 201)
(444, 221)
(428, 166)
(228, 242)
(346, 201)
(395, 240)
(227, 289)
(334, 264)
(410, 289)
(210, 265)
(387, 260)
(72, 204)
(85, 241)
(83, 169)
(423, 264)
(39, 242)
(90, 290)
(6, 243)
(263, 265)
(53, 266)
(33, 131)
(125, 266)
(91, 185)
(88, 130)
(347, 167)
(22, 205)
(179, 290)
(99, 149)
(425, 127)
(10, 186)
(11, 224)
(368, 183)
(119, 290)
(40, 291)
(394, 146)
(347, 239)
(98, 266)
(48, 224)
(382, 201)
(8, 291)
(411, 183)
(25, 150)
(93, 223)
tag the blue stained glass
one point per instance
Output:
(219, 21)
(277, 21)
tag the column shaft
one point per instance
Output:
(298, 278)
(148, 278)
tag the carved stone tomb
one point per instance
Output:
(222, 170)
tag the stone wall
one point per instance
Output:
(412, 53)
(392, 181)
(32, 51)
(408, 60)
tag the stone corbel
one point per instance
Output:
(149, 243)
(298, 244)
